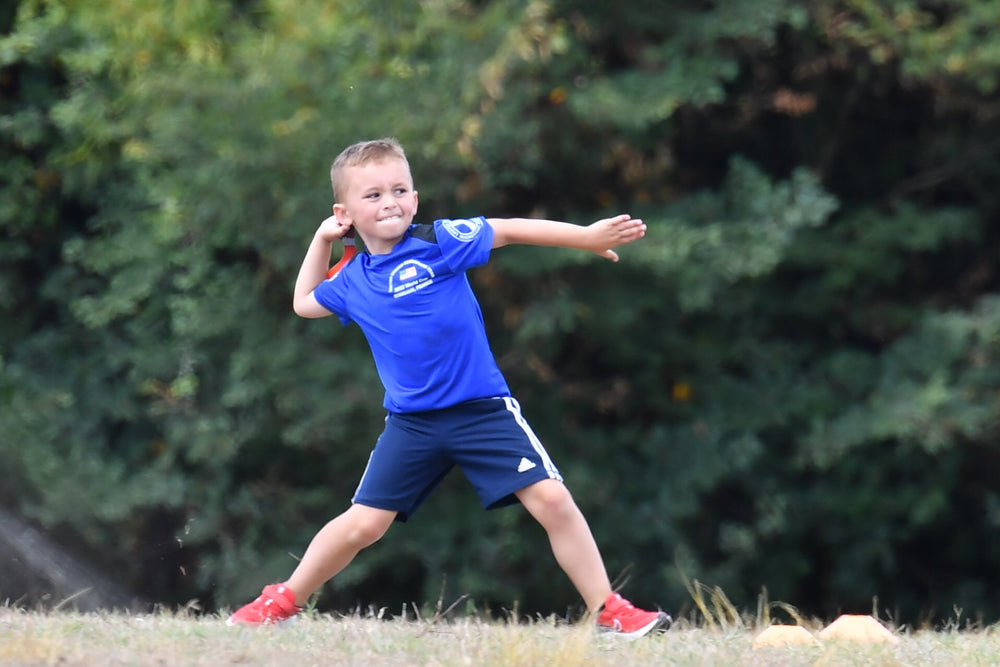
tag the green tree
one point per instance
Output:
(788, 384)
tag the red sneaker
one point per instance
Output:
(621, 618)
(275, 604)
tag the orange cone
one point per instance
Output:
(859, 629)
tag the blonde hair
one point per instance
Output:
(362, 153)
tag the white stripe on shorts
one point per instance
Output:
(363, 475)
(515, 409)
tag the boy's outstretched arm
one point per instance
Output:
(599, 237)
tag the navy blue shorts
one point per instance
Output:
(487, 439)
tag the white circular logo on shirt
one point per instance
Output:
(463, 230)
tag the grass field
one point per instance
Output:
(66, 638)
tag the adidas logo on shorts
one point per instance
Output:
(525, 465)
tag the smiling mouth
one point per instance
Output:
(391, 218)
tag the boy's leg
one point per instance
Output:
(573, 545)
(336, 545)
(401, 471)
(576, 551)
(333, 547)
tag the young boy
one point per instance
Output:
(447, 402)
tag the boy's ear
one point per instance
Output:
(343, 216)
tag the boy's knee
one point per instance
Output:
(367, 526)
(549, 498)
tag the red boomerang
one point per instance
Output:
(350, 250)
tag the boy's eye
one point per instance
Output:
(400, 191)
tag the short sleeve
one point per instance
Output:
(331, 294)
(465, 242)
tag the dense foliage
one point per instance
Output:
(792, 383)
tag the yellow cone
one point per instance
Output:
(783, 635)
(858, 628)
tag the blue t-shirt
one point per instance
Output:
(420, 316)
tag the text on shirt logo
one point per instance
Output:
(409, 277)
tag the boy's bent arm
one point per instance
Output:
(313, 270)
(599, 237)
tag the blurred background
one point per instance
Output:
(788, 391)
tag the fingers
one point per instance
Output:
(332, 228)
(631, 225)
(622, 229)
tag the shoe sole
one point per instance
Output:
(269, 624)
(661, 623)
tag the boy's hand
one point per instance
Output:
(332, 229)
(610, 233)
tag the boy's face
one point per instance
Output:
(379, 202)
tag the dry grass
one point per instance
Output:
(67, 638)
